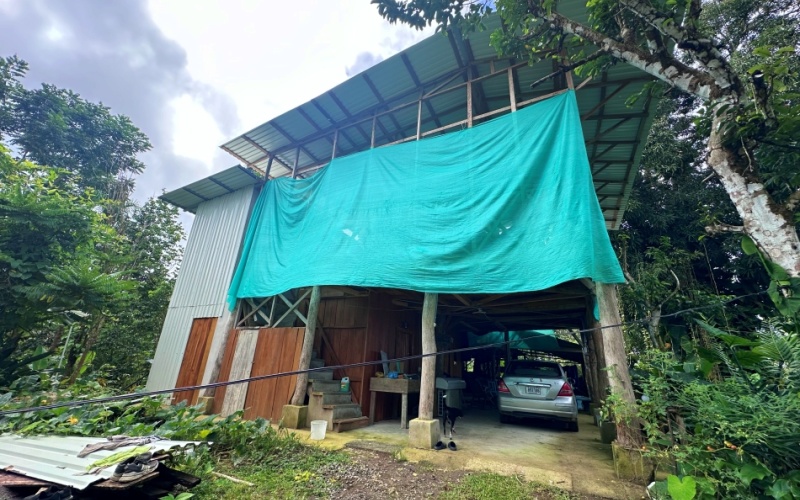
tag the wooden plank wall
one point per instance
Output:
(225, 369)
(194, 360)
(344, 320)
(241, 368)
(277, 351)
(395, 330)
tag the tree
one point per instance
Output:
(56, 127)
(48, 234)
(74, 248)
(731, 57)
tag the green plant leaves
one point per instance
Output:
(681, 489)
(751, 471)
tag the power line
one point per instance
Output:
(136, 395)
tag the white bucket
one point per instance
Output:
(318, 428)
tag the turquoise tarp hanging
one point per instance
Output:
(506, 206)
(534, 340)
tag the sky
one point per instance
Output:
(193, 74)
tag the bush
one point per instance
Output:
(726, 416)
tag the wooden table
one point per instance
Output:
(401, 386)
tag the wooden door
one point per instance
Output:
(195, 357)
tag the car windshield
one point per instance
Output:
(533, 369)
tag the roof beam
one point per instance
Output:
(220, 184)
(383, 104)
(420, 86)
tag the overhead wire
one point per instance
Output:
(212, 385)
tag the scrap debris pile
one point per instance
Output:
(50, 468)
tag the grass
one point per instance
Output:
(490, 486)
(285, 474)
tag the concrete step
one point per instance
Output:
(317, 363)
(321, 375)
(344, 411)
(334, 398)
(326, 386)
(348, 424)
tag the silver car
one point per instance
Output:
(537, 389)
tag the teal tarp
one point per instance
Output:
(534, 340)
(506, 206)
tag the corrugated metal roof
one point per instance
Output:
(189, 197)
(55, 458)
(345, 112)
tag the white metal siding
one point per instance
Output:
(209, 260)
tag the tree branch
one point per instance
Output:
(702, 49)
(724, 228)
(665, 68)
(563, 68)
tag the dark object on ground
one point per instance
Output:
(51, 493)
(452, 446)
(137, 469)
(439, 446)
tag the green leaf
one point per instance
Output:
(780, 489)
(762, 51)
(751, 471)
(681, 489)
(748, 246)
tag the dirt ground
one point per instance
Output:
(379, 476)
(376, 475)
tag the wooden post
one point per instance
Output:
(508, 347)
(269, 166)
(308, 345)
(427, 387)
(512, 95)
(616, 360)
(296, 163)
(419, 121)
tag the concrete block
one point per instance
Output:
(206, 404)
(631, 465)
(423, 433)
(294, 417)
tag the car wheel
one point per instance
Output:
(572, 426)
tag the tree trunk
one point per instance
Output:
(301, 387)
(428, 383)
(767, 223)
(616, 364)
(88, 343)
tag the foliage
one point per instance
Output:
(53, 126)
(732, 433)
(52, 248)
(87, 272)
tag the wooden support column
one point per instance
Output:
(508, 347)
(615, 360)
(511, 91)
(427, 385)
(308, 345)
(296, 163)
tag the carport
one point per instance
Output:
(575, 462)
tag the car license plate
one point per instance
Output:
(533, 390)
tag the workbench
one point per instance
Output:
(402, 386)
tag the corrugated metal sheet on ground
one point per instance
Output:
(55, 458)
(206, 271)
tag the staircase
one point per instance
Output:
(328, 402)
